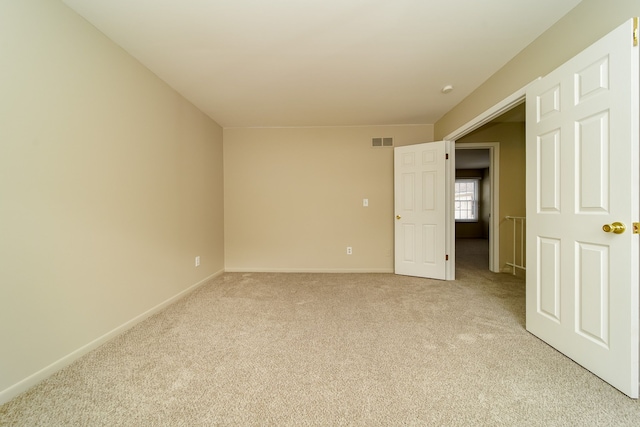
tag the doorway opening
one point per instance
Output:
(473, 192)
(505, 124)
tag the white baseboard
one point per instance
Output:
(25, 384)
(307, 270)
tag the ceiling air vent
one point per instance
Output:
(382, 142)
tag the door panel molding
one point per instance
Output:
(420, 172)
(582, 167)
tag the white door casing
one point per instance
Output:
(420, 209)
(582, 173)
(494, 208)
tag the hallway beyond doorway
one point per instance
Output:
(472, 254)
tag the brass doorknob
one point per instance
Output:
(616, 227)
(398, 217)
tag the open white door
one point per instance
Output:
(582, 174)
(420, 209)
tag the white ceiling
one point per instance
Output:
(323, 62)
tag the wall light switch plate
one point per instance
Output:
(365, 202)
(198, 261)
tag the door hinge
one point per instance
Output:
(446, 257)
(635, 31)
(636, 228)
(446, 156)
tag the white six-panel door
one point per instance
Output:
(582, 174)
(420, 224)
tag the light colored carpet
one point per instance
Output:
(331, 349)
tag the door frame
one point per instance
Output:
(513, 100)
(494, 196)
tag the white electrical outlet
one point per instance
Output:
(198, 261)
(349, 250)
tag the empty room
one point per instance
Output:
(248, 213)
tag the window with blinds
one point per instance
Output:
(466, 199)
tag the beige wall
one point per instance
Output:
(581, 27)
(511, 137)
(110, 185)
(293, 197)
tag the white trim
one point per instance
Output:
(494, 178)
(309, 270)
(25, 384)
(480, 120)
(501, 107)
(328, 126)
(450, 223)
